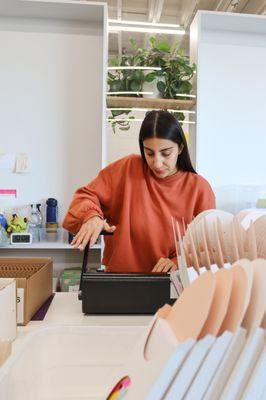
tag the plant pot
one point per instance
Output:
(151, 87)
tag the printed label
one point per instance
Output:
(73, 288)
(173, 291)
(20, 305)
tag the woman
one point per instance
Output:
(135, 198)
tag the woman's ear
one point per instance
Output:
(180, 148)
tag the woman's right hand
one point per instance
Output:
(90, 231)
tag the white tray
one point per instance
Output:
(66, 362)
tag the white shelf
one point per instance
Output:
(45, 245)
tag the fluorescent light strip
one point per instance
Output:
(129, 93)
(115, 21)
(185, 95)
(140, 120)
(135, 67)
(117, 28)
(150, 109)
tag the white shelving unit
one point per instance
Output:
(52, 106)
(52, 98)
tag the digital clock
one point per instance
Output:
(21, 238)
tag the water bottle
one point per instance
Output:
(3, 220)
(3, 237)
(51, 211)
(35, 222)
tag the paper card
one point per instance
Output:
(22, 163)
(170, 370)
(257, 384)
(244, 366)
(190, 368)
(176, 283)
(173, 292)
(209, 366)
(225, 367)
(20, 305)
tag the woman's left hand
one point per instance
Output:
(164, 265)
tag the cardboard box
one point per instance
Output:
(34, 283)
(8, 318)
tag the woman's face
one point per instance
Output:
(161, 156)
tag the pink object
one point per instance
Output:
(237, 301)
(224, 283)
(190, 311)
(8, 192)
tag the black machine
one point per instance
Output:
(115, 293)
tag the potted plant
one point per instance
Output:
(173, 78)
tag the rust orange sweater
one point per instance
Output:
(140, 205)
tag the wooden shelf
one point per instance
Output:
(153, 103)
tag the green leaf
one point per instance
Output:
(150, 77)
(161, 86)
(133, 43)
(124, 128)
(138, 76)
(185, 87)
(163, 46)
(175, 85)
(179, 116)
(113, 62)
(116, 113)
(135, 86)
(115, 86)
(110, 76)
(113, 126)
(152, 40)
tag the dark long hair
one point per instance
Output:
(162, 124)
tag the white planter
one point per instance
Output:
(151, 87)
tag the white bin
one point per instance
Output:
(66, 362)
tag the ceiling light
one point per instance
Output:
(159, 25)
(151, 29)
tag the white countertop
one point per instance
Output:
(65, 309)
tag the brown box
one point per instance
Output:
(34, 278)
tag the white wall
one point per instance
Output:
(230, 53)
(51, 101)
(120, 143)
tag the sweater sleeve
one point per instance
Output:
(205, 199)
(88, 201)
